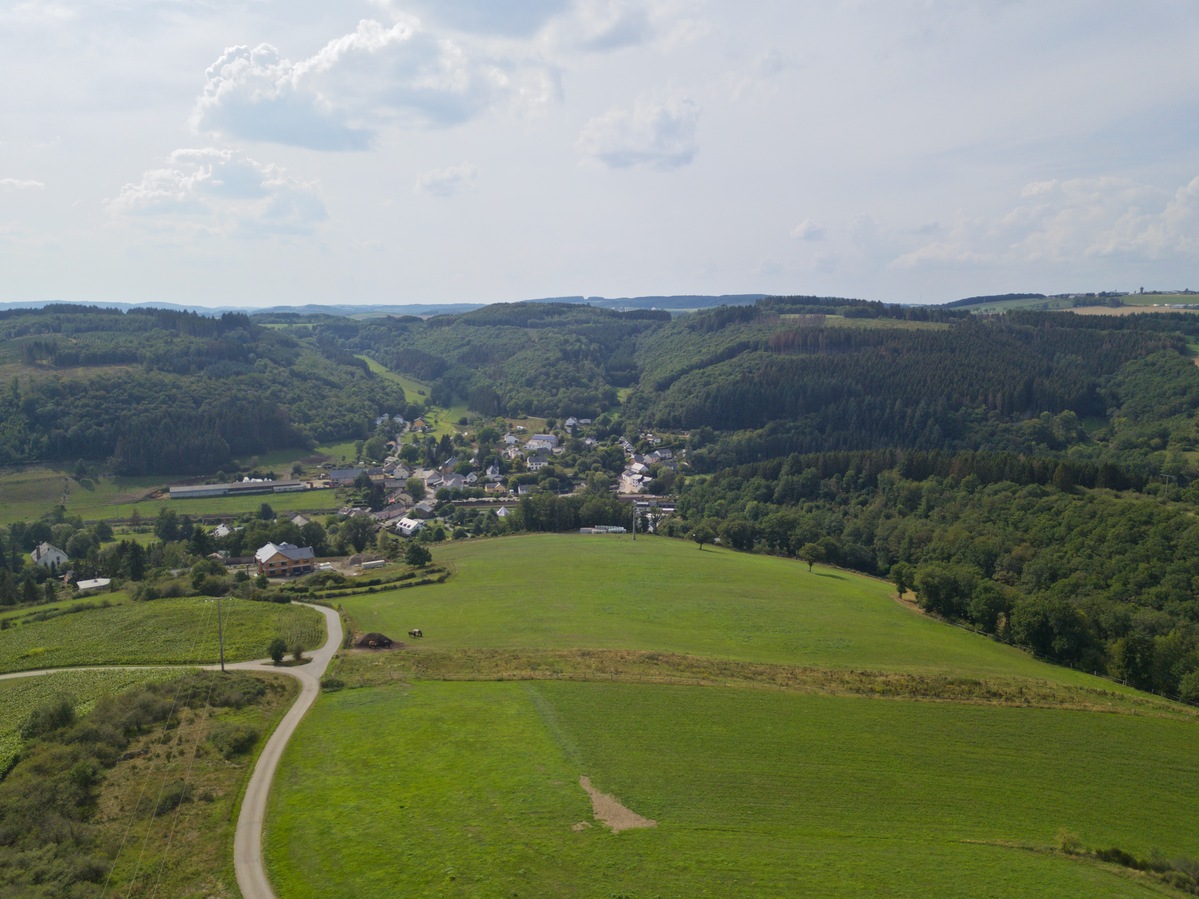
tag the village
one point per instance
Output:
(423, 489)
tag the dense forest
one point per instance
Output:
(154, 391)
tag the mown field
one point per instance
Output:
(555, 591)
(473, 790)
(825, 741)
(162, 632)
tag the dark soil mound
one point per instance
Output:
(377, 641)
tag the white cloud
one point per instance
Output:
(809, 230)
(447, 181)
(223, 192)
(377, 75)
(657, 135)
(1066, 222)
(20, 184)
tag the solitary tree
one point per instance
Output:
(811, 553)
(277, 650)
(702, 533)
(417, 555)
(902, 574)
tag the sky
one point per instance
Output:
(262, 152)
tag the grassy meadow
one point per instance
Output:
(782, 768)
(472, 790)
(162, 632)
(568, 591)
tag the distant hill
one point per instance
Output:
(680, 302)
(996, 298)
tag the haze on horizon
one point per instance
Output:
(255, 152)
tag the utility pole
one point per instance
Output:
(220, 634)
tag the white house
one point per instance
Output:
(48, 555)
(409, 526)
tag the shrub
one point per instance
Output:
(51, 716)
(232, 739)
(332, 684)
(172, 796)
(277, 650)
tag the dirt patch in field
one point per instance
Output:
(609, 810)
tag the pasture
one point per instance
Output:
(570, 591)
(827, 741)
(473, 790)
(162, 632)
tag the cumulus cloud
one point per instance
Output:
(1066, 221)
(656, 135)
(809, 230)
(339, 98)
(20, 184)
(447, 181)
(223, 191)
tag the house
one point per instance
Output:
(538, 461)
(344, 477)
(408, 526)
(493, 473)
(49, 556)
(542, 441)
(284, 560)
(420, 425)
(222, 530)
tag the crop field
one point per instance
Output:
(19, 696)
(558, 591)
(74, 605)
(473, 790)
(162, 632)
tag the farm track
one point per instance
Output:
(247, 842)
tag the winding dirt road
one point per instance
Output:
(247, 840)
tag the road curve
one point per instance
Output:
(247, 840)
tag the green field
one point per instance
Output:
(557, 591)
(455, 770)
(80, 603)
(162, 632)
(472, 790)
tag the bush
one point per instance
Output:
(51, 716)
(172, 796)
(277, 650)
(232, 739)
(332, 684)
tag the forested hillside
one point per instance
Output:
(154, 391)
(1031, 474)
(548, 359)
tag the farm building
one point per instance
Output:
(284, 560)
